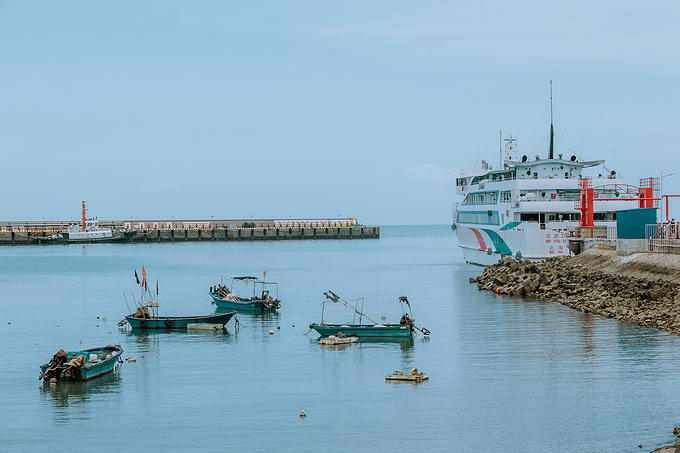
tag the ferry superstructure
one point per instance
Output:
(529, 208)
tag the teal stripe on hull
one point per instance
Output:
(498, 242)
(363, 330)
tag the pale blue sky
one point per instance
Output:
(310, 109)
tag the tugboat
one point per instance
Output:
(87, 232)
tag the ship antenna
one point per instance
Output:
(552, 131)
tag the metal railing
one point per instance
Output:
(663, 238)
(594, 232)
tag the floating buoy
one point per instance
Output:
(498, 290)
(278, 327)
(303, 414)
(414, 371)
(271, 332)
(383, 317)
(293, 325)
(131, 359)
(104, 318)
(53, 381)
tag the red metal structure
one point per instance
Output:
(84, 215)
(585, 202)
(649, 192)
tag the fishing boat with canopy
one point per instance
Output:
(146, 315)
(404, 329)
(264, 298)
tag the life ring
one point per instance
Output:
(142, 323)
(169, 322)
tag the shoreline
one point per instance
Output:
(640, 289)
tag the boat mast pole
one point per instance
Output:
(500, 150)
(83, 216)
(552, 131)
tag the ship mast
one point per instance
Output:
(552, 131)
(84, 216)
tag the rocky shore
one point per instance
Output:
(648, 300)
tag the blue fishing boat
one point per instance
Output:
(146, 316)
(264, 298)
(81, 365)
(141, 321)
(404, 329)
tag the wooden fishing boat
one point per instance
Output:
(265, 295)
(81, 365)
(404, 329)
(146, 316)
(176, 322)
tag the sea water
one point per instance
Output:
(506, 373)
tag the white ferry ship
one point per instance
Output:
(529, 208)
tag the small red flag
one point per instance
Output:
(143, 271)
(264, 274)
(144, 282)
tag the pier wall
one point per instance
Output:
(29, 235)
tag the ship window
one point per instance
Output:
(535, 175)
(506, 196)
(528, 217)
(566, 175)
(481, 198)
(481, 217)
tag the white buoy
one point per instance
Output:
(303, 414)
(53, 381)
(271, 332)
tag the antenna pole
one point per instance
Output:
(500, 150)
(552, 131)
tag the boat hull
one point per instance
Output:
(364, 330)
(246, 304)
(89, 370)
(177, 322)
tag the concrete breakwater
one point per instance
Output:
(646, 299)
(30, 236)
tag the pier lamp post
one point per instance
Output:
(663, 214)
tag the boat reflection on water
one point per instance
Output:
(406, 343)
(65, 394)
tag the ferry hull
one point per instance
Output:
(485, 244)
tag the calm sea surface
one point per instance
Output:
(505, 373)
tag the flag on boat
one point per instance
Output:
(264, 274)
(136, 277)
(143, 271)
(143, 282)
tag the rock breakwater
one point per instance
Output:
(647, 302)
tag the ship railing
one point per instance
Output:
(593, 232)
(663, 238)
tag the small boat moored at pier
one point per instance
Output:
(404, 329)
(87, 232)
(81, 365)
(265, 296)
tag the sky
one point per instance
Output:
(277, 110)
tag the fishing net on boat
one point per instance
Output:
(77, 362)
(142, 312)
